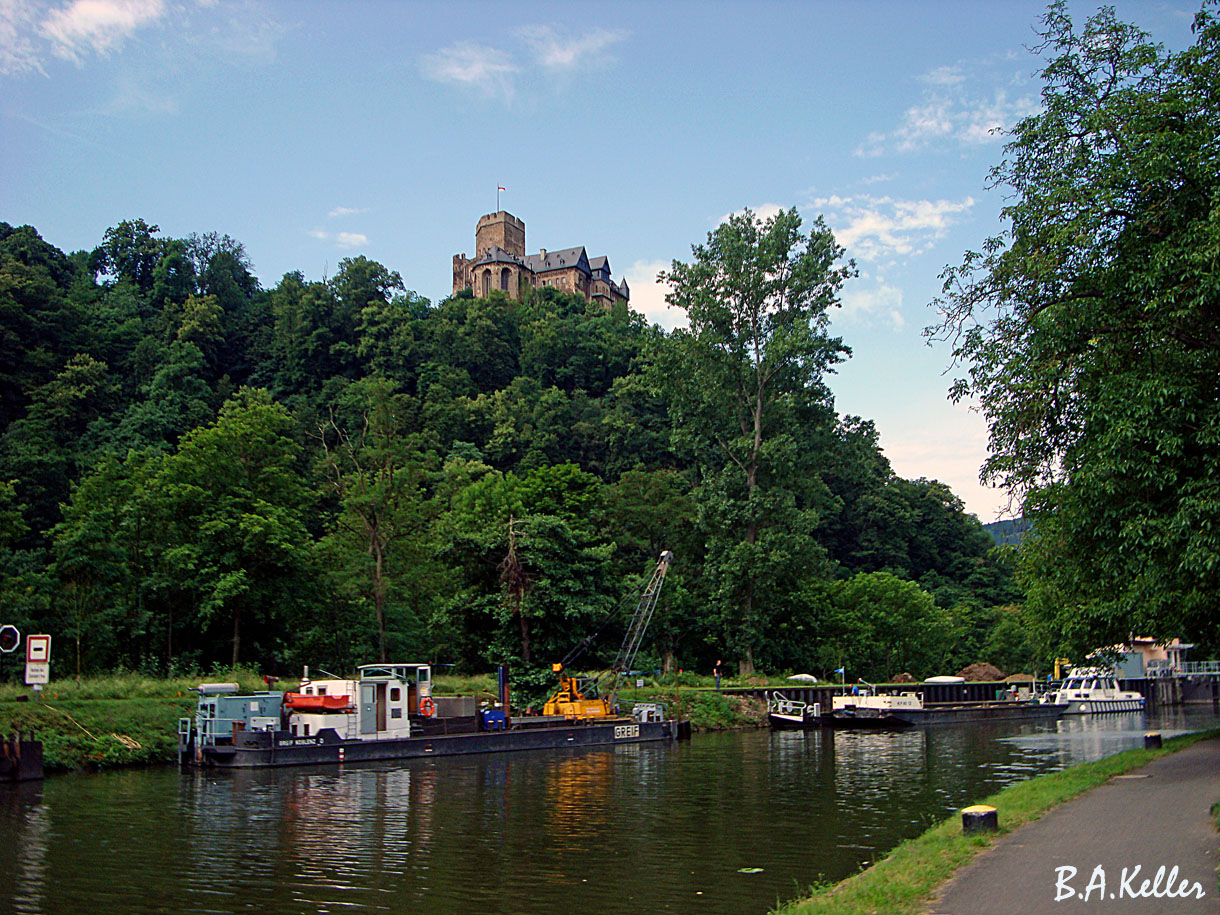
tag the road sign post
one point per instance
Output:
(37, 660)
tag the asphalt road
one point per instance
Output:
(1083, 857)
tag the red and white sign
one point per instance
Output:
(37, 660)
(37, 648)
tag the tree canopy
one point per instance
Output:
(1089, 331)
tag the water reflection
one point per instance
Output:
(640, 828)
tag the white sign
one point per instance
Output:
(38, 649)
(37, 660)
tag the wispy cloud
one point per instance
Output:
(494, 72)
(867, 304)
(340, 239)
(97, 26)
(959, 104)
(17, 27)
(876, 228)
(555, 51)
(34, 32)
(346, 211)
(487, 70)
(943, 76)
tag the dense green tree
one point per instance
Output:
(130, 251)
(742, 383)
(1089, 330)
(235, 500)
(38, 320)
(374, 463)
(884, 626)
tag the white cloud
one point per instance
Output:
(873, 228)
(17, 52)
(347, 211)
(882, 301)
(943, 76)
(340, 239)
(648, 296)
(556, 52)
(952, 109)
(488, 70)
(237, 32)
(99, 26)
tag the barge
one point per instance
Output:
(386, 712)
(866, 708)
(908, 709)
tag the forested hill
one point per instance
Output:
(1008, 533)
(195, 469)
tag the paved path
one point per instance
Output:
(1153, 817)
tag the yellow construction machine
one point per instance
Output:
(583, 697)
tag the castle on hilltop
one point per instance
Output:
(500, 262)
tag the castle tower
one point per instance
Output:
(502, 230)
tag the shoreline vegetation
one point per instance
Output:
(906, 878)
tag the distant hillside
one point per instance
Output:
(1007, 532)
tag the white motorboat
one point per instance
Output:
(1093, 691)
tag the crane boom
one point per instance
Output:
(639, 623)
(578, 698)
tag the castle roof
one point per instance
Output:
(559, 260)
(497, 255)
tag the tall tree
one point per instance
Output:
(373, 462)
(1091, 332)
(236, 500)
(742, 382)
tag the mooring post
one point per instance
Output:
(980, 818)
(1152, 741)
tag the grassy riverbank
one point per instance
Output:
(904, 881)
(131, 720)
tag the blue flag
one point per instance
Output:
(838, 670)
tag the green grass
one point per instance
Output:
(905, 880)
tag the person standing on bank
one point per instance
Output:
(718, 672)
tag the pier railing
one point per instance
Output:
(1201, 668)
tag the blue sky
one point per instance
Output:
(314, 131)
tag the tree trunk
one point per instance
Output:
(525, 635)
(236, 636)
(379, 596)
(745, 666)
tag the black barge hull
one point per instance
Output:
(281, 748)
(945, 713)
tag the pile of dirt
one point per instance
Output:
(981, 671)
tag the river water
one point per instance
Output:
(726, 823)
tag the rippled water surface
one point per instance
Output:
(632, 829)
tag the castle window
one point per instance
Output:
(486, 282)
(504, 279)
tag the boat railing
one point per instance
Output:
(782, 705)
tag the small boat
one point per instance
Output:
(786, 714)
(301, 702)
(1094, 691)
